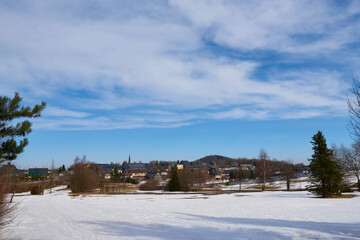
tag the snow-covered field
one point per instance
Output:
(261, 215)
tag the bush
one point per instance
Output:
(6, 209)
(20, 188)
(37, 189)
(150, 185)
(83, 179)
(187, 179)
(131, 180)
(193, 179)
(345, 187)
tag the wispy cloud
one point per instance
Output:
(98, 63)
(59, 112)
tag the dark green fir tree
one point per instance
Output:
(325, 172)
(174, 183)
(12, 135)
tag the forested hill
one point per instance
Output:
(214, 158)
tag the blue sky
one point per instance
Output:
(179, 79)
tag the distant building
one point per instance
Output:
(152, 175)
(136, 174)
(12, 170)
(246, 167)
(38, 172)
(218, 175)
(180, 166)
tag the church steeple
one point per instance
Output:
(129, 159)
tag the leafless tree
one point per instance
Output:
(241, 175)
(193, 179)
(353, 160)
(6, 207)
(151, 184)
(52, 175)
(263, 168)
(353, 103)
(82, 179)
(349, 161)
(287, 169)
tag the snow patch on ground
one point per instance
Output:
(258, 215)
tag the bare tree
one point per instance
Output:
(263, 168)
(151, 184)
(241, 175)
(353, 155)
(193, 179)
(6, 208)
(349, 161)
(52, 175)
(343, 156)
(83, 179)
(353, 103)
(287, 169)
(353, 161)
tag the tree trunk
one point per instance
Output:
(288, 184)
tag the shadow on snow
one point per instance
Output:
(229, 228)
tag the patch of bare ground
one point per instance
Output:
(118, 188)
(83, 195)
(218, 189)
(212, 193)
(195, 197)
(303, 180)
(269, 187)
(239, 195)
(340, 196)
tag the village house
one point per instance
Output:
(38, 173)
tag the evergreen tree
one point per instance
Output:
(11, 143)
(174, 183)
(325, 172)
(62, 169)
(116, 175)
(232, 175)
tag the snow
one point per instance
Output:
(298, 184)
(257, 215)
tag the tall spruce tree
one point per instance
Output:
(325, 172)
(12, 135)
(174, 183)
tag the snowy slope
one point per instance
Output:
(263, 215)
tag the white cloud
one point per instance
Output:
(113, 58)
(286, 26)
(59, 112)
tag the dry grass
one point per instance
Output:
(268, 187)
(27, 186)
(340, 196)
(239, 195)
(217, 189)
(119, 188)
(196, 197)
